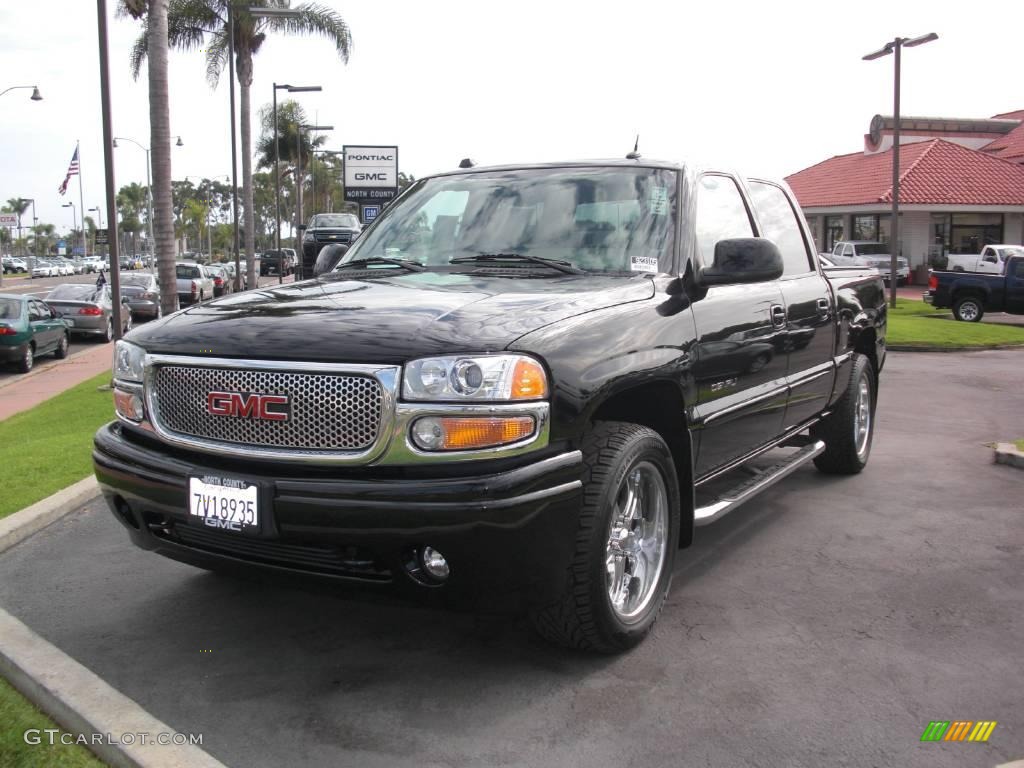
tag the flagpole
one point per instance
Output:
(81, 205)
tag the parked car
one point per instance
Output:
(12, 264)
(142, 291)
(194, 283)
(327, 229)
(972, 294)
(991, 260)
(45, 268)
(30, 328)
(90, 264)
(863, 253)
(526, 393)
(88, 310)
(221, 279)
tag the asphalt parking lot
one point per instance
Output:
(824, 624)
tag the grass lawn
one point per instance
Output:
(914, 323)
(17, 715)
(1019, 444)
(15, 274)
(49, 447)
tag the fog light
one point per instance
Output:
(434, 564)
(128, 404)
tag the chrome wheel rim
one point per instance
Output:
(968, 310)
(637, 541)
(63, 345)
(862, 417)
(29, 359)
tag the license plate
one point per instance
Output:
(224, 504)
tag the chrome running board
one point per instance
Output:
(732, 498)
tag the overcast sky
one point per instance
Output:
(767, 87)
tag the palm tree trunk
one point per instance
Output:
(245, 82)
(160, 141)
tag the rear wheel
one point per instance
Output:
(628, 531)
(62, 347)
(28, 359)
(108, 333)
(848, 431)
(968, 309)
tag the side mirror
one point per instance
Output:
(301, 227)
(328, 259)
(743, 260)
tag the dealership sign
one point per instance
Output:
(8, 219)
(371, 173)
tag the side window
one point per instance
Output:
(848, 251)
(779, 223)
(838, 250)
(721, 214)
(1019, 269)
(34, 311)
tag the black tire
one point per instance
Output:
(108, 335)
(969, 309)
(62, 347)
(582, 616)
(845, 452)
(127, 324)
(28, 359)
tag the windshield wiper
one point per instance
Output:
(412, 266)
(561, 266)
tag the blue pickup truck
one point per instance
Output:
(972, 294)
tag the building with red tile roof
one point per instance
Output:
(961, 186)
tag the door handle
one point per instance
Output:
(823, 307)
(778, 315)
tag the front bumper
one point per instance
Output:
(506, 527)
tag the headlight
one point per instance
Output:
(128, 362)
(308, 237)
(486, 377)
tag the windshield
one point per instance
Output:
(74, 293)
(322, 220)
(873, 249)
(10, 309)
(598, 219)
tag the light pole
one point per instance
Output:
(149, 193)
(99, 215)
(36, 96)
(277, 169)
(74, 221)
(298, 191)
(894, 47)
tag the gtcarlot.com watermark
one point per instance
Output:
(54, 736)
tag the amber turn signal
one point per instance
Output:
(528, 380)
(463, 433)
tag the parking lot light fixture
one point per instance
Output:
(36, 95)
(894, 47)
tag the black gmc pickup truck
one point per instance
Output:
(533, 379)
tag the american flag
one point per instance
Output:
(72, 171)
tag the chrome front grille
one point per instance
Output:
(327, 412)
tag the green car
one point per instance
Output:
(28, 328)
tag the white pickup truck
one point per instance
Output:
(992, 259)
(865, 253)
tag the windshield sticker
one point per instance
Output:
(643, 263)
(658, 201)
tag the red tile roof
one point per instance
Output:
(932, 172)
(1010, 146)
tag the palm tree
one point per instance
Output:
(131, 202)
(155, 34)
(203, 25)
(18, 205)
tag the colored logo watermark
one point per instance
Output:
(959, 730)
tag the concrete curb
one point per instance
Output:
(82, 703)
(1007, 453)
(22, 524)
(912, 348)
(44, 367)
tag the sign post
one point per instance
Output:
(371, 177)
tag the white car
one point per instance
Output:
(45, 269)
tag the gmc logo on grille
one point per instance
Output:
(248, 406)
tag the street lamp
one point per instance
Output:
(894, 47)
(298, 190)
(149, 194)
(277, 168)
(36, 95)
(74, 221)
(99, 215)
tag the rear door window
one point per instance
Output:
(779, 223)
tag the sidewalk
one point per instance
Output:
(53, 377)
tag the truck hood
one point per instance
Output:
(384, 320)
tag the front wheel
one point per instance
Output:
(848, 431)
(968, 309)
(626, 542)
